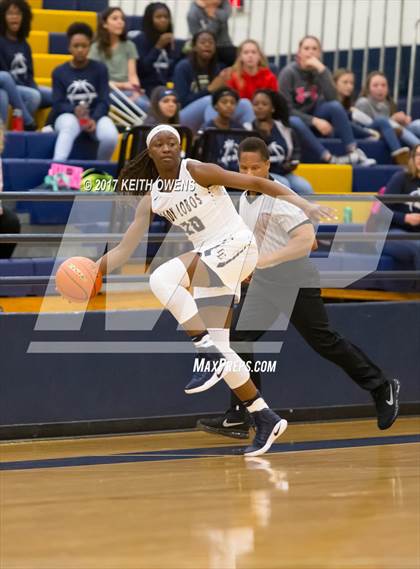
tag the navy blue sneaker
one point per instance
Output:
(268, 427)
(387, 399)
(208, 369)
(234, 423)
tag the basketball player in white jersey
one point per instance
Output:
(285, 281)
(191, 195)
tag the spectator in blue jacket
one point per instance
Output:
(225, 146)
(406, 217)
(81, 98)
(15, 26)
(197, 77)
(272, 122)
(158, 52)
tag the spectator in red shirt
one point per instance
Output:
(251, 72)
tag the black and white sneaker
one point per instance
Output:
(208, 369)
(386, 398)
(269, 427)
(234, 423)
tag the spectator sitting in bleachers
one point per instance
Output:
(363, 126)
(197, 77)
(224, 101)
(310, 92)
(213, 16)
(164, 107)
(251, 71)
(158, 53)
(375, 101)
(225, 146)
(16, 60)
(81, 98)
(406, 215)
(272, 122)
(9, 221)
(119, 54)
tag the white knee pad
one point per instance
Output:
(237, 373)
(168, 283)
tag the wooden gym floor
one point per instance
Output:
(330, 495)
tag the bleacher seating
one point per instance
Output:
(45, 63)
(27, 156)
(21, 175)
(373, 148)
(372, 179)
(60, 20)
(84, 5)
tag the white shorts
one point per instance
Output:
(232, 259)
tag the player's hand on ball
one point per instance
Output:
(78, 279)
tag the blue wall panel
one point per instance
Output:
(48, 388)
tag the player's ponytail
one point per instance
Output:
(141, 167)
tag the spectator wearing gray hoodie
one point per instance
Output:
(309, 89)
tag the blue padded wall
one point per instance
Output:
(51, 388)
(85, 5)
(58, 43)
(372, 179)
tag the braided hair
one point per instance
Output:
(141, 167)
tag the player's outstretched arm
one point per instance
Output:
(132, 237)
(211, 175)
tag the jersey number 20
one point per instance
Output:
(193, 225)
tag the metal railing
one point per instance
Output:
(97, 238)
(109, 196)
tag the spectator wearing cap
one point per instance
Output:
(164, 107)
(224, 102)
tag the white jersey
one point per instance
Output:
(207, 215)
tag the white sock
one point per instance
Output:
(238, 373)
(203, 342)
(258, 405)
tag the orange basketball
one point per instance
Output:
(78, 279)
